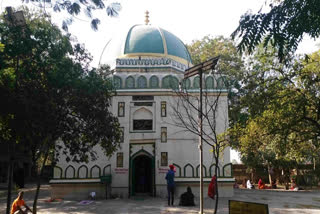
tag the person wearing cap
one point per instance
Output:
(18, 204)
(170, 184)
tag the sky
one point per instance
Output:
(187, 19)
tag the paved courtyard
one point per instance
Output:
(286, 202)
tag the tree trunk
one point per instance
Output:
(286, 178)
(217, 192)
(39, 182)
(10, 172)
(269, 173)
(216, 184)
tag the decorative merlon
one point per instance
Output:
(149, 63)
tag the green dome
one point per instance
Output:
(150, 40)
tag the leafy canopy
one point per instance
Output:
(230, 64)
(78, 7)
(281, 104)
(51, 91)
(283, 26)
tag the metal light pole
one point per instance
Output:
(13, 19)
(200, 143)
(198, 70)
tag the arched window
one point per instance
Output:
(178, 170)
(70, 172)
(196, 82)
(174, 82)
(117, 82)
(222, 82)
(209, 83)
(154, 82)
(95, 171)
(170, 82)
(57, 172)
(212, 169)
(166, 82)
(130, 82)
(186, 84)
(188, 170)
(142, 82)
(227, 170)
(83, 171)
(204, 169)
(107, 170)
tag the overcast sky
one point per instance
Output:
(186, 19)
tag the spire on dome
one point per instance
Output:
(147, 18)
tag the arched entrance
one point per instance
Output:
(142, 175)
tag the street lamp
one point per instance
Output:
(198, 70)
(15, 19)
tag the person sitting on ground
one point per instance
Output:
(261, 184)
(236, 185)
(187, 198)
(92, 195)
(17, 205)
(249, 185)
(244, 183)
(294, 185)
(274, 184)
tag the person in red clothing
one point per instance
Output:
(18, 204)
(261, 185)
(212, 187)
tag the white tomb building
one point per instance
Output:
(148, 62)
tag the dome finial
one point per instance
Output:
(147, 17)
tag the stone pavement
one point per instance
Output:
(286, 202)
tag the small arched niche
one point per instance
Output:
(154, 82)
(142, 120)
(142, 82)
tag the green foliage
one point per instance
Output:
(51, 92)
(283, 26)
(76, 8)
(1, 47)
(53, 99)
(282, 108)
(230, 65)
(201, 50)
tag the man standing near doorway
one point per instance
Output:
(170, 184)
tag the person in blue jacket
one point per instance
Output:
(170, 184)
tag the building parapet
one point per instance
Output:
(150, 62)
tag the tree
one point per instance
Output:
(201, 50)
(283, 26)
(214, 115)
(230, 64)
(76, 8)
(215, 118)
(52, 92)
(281, 104)
(259, 86)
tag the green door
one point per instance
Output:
(142, 175)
